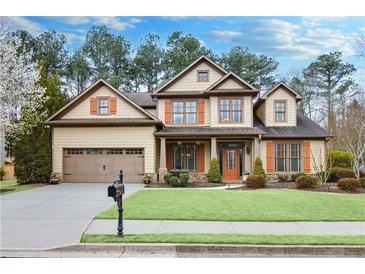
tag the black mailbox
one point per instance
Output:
(116, 191)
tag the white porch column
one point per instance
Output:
(213, 148)
(255, 150)
(163, 167)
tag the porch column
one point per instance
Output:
(255, 150)
(213, 148)
(162, 170)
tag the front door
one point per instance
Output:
(230, 163)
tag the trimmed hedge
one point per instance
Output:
(297, 175)
(340, 158)
(362, 182)
(256, 182)
(283, 178)
(167, 176)
(184, 179)
(214, 174)
(258, 169)
(345, 173)
(174, 181)
(305, 182)
(348, 184)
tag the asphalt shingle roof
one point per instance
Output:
(142, 99)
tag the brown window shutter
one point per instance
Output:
(201, 110)
(168, 112)
(169, 159)
(201, 159)
(93, 106)
(113, 105)
(269, 157)
(306, 156)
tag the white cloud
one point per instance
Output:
(22, 23)
(72, 37)
(362, 29)
(112, 22)
(74, 20)
(134, 20)
(226, 35)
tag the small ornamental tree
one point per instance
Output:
(258, 169)
(214, 174)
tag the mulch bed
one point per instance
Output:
(4, 190)
(190, 185)
(329, 187)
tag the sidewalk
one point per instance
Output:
(157, 226)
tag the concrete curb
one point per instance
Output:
(285, 250)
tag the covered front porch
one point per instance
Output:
(235, 150)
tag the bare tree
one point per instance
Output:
(352, 133)
(321, 168)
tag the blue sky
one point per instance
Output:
(293, 41)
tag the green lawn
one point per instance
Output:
(224, 205)
(15, 187)
(229, 239)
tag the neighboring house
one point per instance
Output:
(202, 113)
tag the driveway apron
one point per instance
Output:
(54, 215)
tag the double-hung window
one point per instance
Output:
(184, 112)
(103, 106)
(230, 110)
(280, 111)
(287, 157)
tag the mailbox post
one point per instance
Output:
(116, 191)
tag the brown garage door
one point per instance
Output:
(96, 165)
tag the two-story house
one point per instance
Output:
(204, 112)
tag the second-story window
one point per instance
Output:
(280, 111)
(103, 106)
(230, 110)
(203, 76)
(184, 112)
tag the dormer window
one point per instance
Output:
(103, 106)
(280, 111)
(203, 76)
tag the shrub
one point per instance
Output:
(297, 175)
(345, 173)
(348, 184)
(184, 171)
(167, 176)
(362, 183)
(305, 182)
(283, 177)
(322, 176)
(256, 182)
(214, 174)
(2, 173)
(362, 174)
(175, 172)
(174, 181)
(258, 169)
(333, 174)
(340, 158)
(184, 179)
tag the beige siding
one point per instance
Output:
(124, 109)
(105, 137)
(161, 110)
(229, 84)
(152, 111)
(263, 154)
(318, 154)
(260, 112)
(247, 113)
(281, 94)
(207, 156)
(189, 82)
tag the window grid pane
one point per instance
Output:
(184, 157)
(230, 110)
(202, 76)
(184, 112)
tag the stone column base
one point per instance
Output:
(161, 173)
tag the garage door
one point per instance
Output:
(96, 165)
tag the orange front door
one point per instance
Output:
(230, 163)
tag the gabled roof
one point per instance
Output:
(260, 100)
(203, 57)
(226, 77)
(297, 95)
(83, 94)
(143, 99)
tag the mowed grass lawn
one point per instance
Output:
(255, 205)
(229, 239)
(11, 186)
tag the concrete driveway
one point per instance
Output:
(52, 216)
